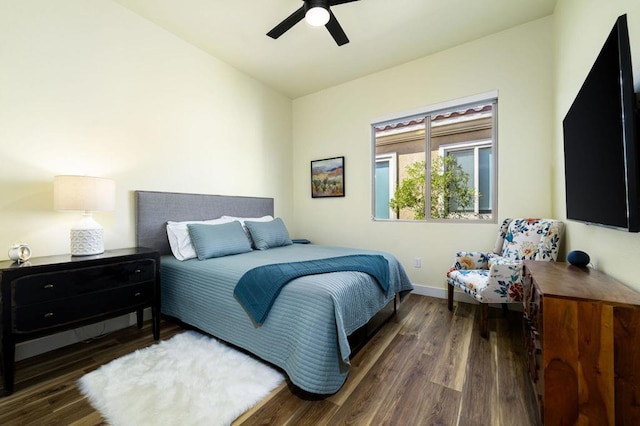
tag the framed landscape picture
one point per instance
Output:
(327, 177)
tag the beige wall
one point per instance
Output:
(581, 28)
(518, 63)
(88, 87)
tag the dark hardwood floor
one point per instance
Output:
(426, 366)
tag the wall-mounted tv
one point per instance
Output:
(601, 158)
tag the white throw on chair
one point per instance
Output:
(496, 277)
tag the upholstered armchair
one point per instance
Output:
(496, 277)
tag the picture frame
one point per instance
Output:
(327, 178)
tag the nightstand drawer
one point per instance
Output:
(66, 284)
(39, 316)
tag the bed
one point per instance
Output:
(306, 330)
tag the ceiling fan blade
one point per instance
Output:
(337, 2)
(288, 22)
(336, 30)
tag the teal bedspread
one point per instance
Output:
(306, 330)
(259, 287)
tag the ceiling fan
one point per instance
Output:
(316, 13)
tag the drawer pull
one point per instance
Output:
(137, 271)
(48, 315)
(137, 294)
(48, 286)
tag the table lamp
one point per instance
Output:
(87, 194)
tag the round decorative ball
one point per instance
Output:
(578, 258)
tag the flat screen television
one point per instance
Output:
(601, 157)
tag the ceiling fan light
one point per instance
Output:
(317, 16)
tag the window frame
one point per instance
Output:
(392, 158)
(475, 145)
(426, 113)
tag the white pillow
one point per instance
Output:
(252, 219)
(179, 240)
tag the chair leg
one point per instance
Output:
(505, 309)
(484, 320)
(450, 297)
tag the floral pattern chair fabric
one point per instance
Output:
(496, 277)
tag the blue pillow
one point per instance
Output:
(218, 240)
(266, 235)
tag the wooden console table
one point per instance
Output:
(582, 340)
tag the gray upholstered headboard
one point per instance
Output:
(154, 209)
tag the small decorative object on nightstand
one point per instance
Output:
(578, 258)
(56, 293)
(20, 253)
(300, 241)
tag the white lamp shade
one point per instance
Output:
(87, 194)
(83, 193)
(317, 16)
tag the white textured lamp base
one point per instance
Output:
(87, 237)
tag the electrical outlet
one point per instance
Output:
(417, 262)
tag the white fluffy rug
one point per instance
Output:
(190, 379)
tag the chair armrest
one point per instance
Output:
(505, 282)
(466, 260)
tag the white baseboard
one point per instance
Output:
(441, 293)
(424, 290)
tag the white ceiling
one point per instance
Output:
(382, 34)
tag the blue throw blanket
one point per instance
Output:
(259, 287)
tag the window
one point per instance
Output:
(438, 164)
(475, 159)
(385, 168)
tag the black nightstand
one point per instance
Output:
(50, 294)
